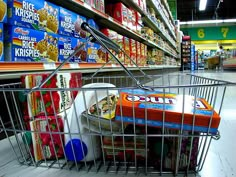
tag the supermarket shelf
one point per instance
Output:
(103, 19)
(9, 70)
(151, 3)
(147, 20)
(168, 10)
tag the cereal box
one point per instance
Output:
(132, 46)
(92, 23)
(79, 33)
(25, 44)
(67, 22)
(138, 54)
(133, 20)
(39, 15)
(114, 37)
(52, 21)
(67, 45)
(138, 103)
(120, 13)
(129, 17)
(1, 43)
(121, 55)
(3, 11)
(55, 101)
(99, 5)
(126, 47)
(95, 53)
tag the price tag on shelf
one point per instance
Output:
(74, 65)
(113, 65)
(49, 66)
(87, 6)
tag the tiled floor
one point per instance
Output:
(220, 161)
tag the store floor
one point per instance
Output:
(220, 161)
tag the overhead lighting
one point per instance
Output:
(202, 5)
(207, 22)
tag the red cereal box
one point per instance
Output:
(126, 47)
(120, 13)
(132, 46)
(120, 43)
(138, 52)
(147, 107)
(133, 20)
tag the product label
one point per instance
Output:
(67, 22)
(95, 53)
(39, 15)
(67, 45)
(32, 45)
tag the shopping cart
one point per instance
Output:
(122, 147)
(95, 134)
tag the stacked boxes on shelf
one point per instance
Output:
(3, 19)
(135, 50)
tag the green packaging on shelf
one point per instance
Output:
(38, 15)
(3, 11)
(67, 45)
(1, 43)
(23, 44)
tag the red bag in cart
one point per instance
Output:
(51, 102)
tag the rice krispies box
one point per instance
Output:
(95, 53)
(50, 102)
(138, 103)
(38, 15)
(3, 11)
(67, 45)
(67, 19)
(23, 44)
(1, 43)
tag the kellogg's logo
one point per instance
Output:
(21, 31)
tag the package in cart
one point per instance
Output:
(3, 11)
(47, 142)
(23, 44)
(38, 15)
(149, 107)
(51, 102)
(67, 45)
(1, 43)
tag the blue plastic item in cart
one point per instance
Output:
(78, 147)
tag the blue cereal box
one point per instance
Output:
(52, 20)
(38, 15)
(67, 21)
(79, 33)
(23, 44)
(1, 43)
(67, 45)
(95, 53)
(3, 11)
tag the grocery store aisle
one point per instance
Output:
(220, 161)
(221, 157)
